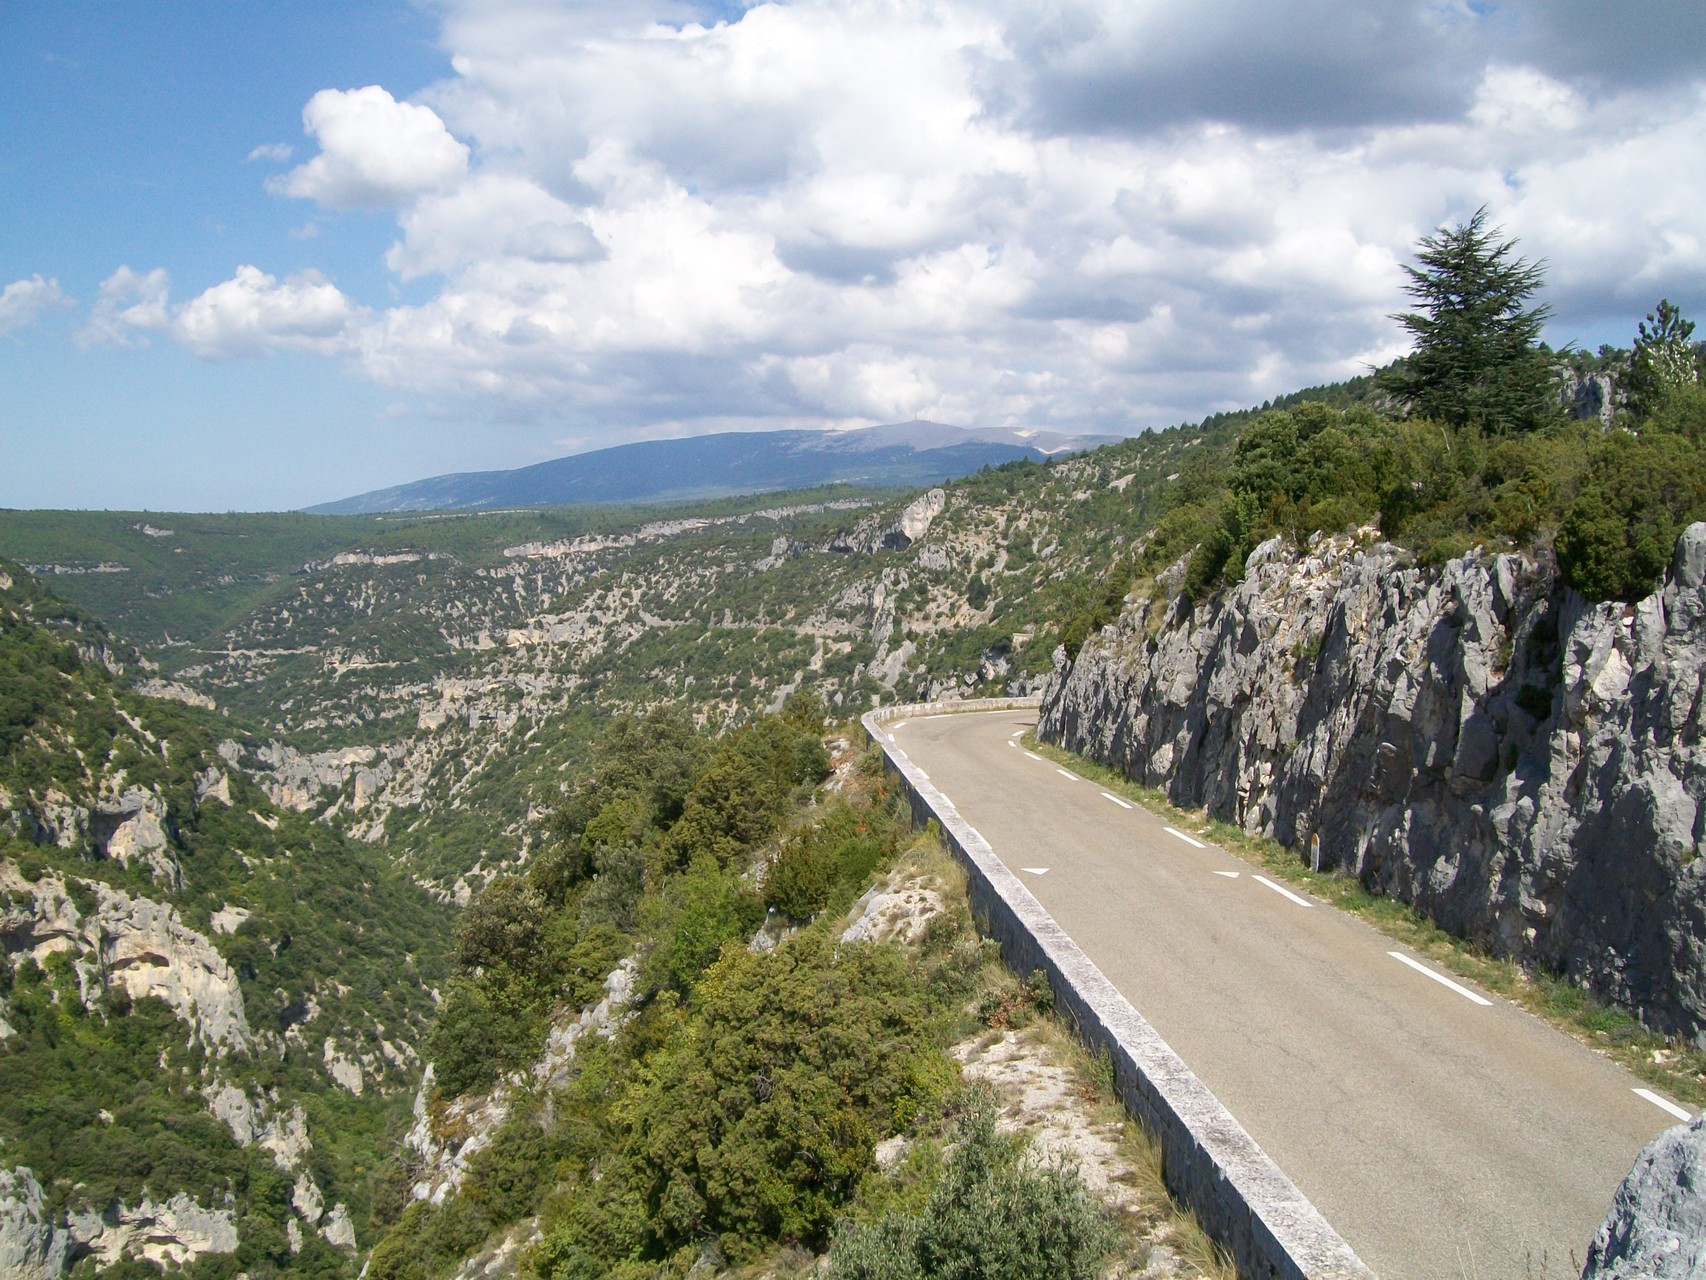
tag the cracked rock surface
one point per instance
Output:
(1474, 739)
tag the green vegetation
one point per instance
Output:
(104, 1095)
(994, 1214)
(1666, 364)
(738, 1107)
(1486, 458)
(1477, 360)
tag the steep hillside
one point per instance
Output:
(209, 1008)
(735, 1004)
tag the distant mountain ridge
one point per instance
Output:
(731, 462)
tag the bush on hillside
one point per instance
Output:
(1619, 533)
(824, 865)
(996, 1214)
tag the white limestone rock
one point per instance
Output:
(173, 1232)
(306, 1199)
(213, 783)
(31, 1247)
(346, 1071)
(136, 828)
(138, 944)
(173, 691)
(897, 912)
(228, 919)
(1656, 1229)
(339, 1230)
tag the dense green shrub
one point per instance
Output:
(826, 863)
(692, 918)
(758, 1125)
(995, 1214)
(1619, 533)
(483, 1028)
(618, 882)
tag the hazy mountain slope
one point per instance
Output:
(424, 686)
(208, 1007)
(902, 455)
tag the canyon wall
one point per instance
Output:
(1474, 739)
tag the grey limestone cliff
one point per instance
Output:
(1474, 739)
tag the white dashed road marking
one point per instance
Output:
(1230, 875)
(1036, 871)
(1194, 843)
(1664, 1104)
(1063, 773)
(1283, 891)
(1033, 755)
(1440, 978)
(1109, 796)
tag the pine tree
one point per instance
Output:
(1477, 360)
(1666, 358)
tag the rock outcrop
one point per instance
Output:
(135, 827)
(447, 1136)
(1656, 1229)
(175, 1231)
(874, 534)
(33, 1246)
(1474, 739)
(135, 943)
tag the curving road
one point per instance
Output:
(1444, 1133)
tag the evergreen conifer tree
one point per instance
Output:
(1477, 360)
(1666, 358)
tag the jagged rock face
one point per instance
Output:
(31, 1247)
(872, 535)
(136, 943)
(1656, 1229)
(135, 827)
(1589, 395)
(175, 1231)
(1475, 739)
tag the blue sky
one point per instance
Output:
(265, 255)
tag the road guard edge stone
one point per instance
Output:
(1209, 1162)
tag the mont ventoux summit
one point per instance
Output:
(1264, 846)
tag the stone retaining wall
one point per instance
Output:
(1210, 1163)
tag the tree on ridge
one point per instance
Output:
(1477, 361)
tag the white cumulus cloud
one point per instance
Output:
(131, 306)
(23, 302)
(626, 217)
(253, 313)
(375, 152)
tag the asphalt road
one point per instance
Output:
(1442, 1137)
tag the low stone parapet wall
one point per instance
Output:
(1210, 1163)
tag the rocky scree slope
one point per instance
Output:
(1474, 739)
